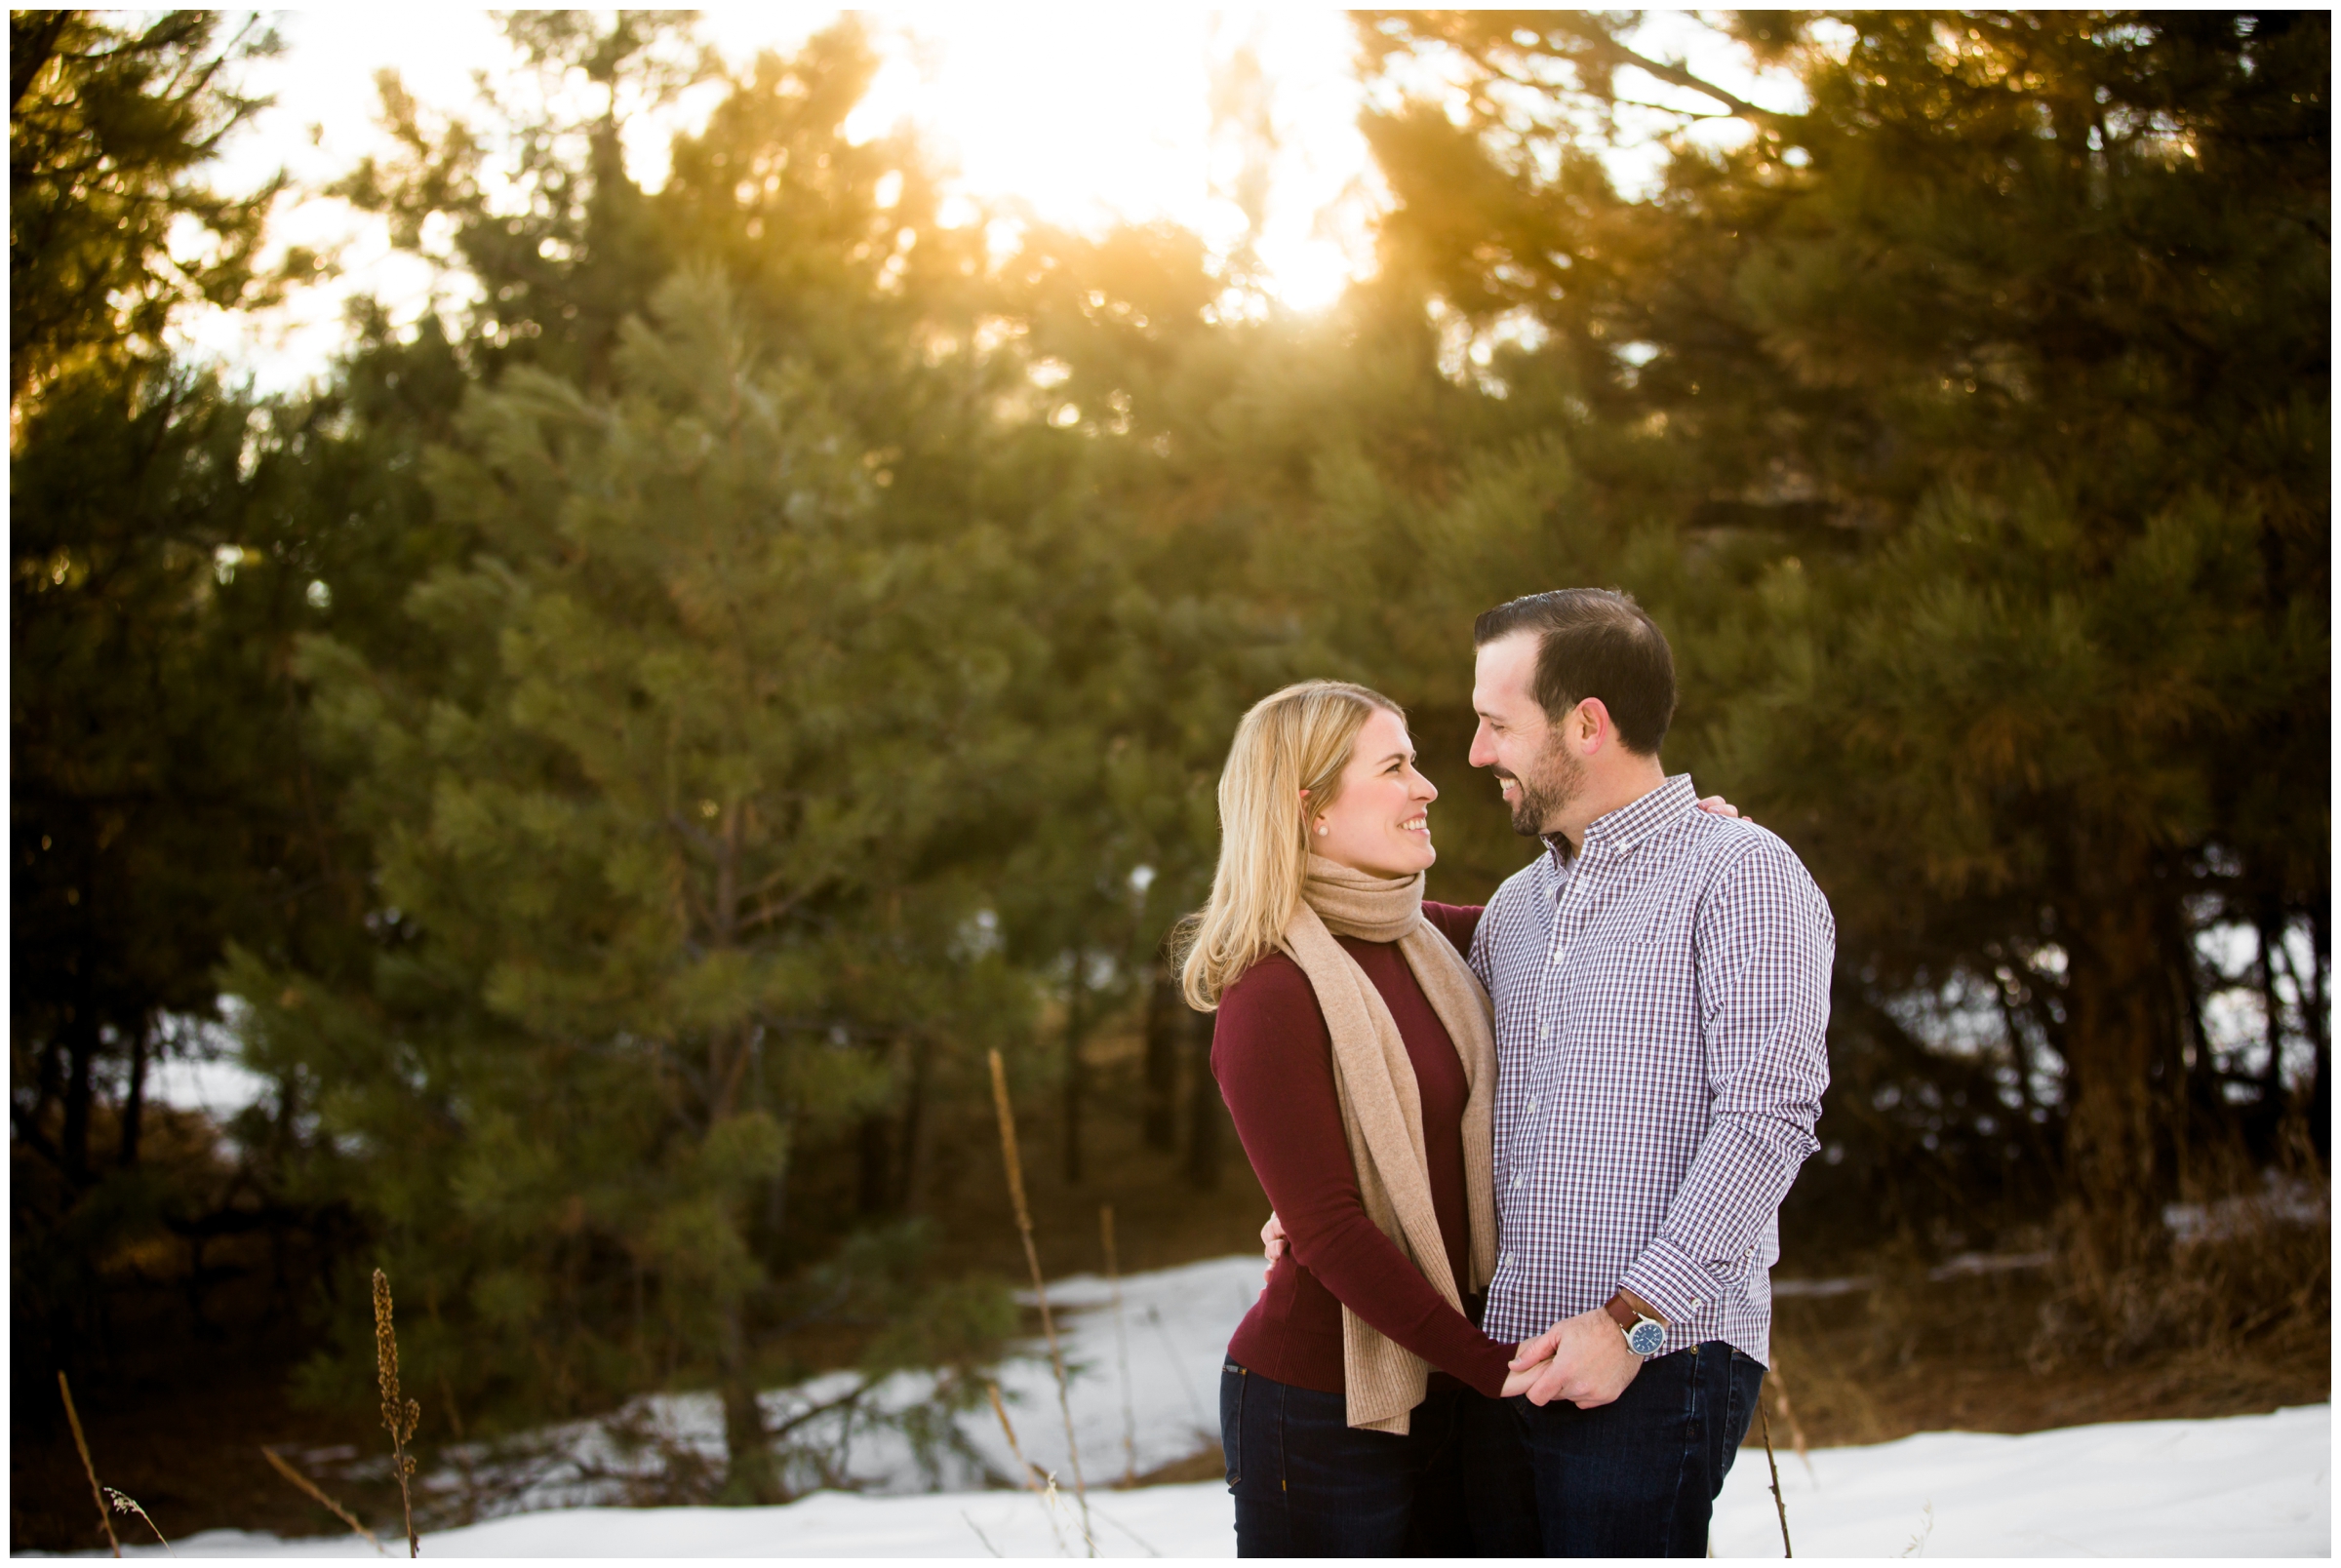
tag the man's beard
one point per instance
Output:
(1558, 779)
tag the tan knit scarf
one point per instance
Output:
(1381, 1106)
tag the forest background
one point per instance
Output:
(618, 755)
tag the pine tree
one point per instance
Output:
(683, 835)
(1985, 402)
(160, 809)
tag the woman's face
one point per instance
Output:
(1379, 822)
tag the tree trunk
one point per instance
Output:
(877, 1166)
(1076, 1083)
(910, 1176)
(2268, 923)
(81, 1049)
(1204, 1109)
(2118, 1019)
(750, 1477)
(1166, 1013)
(2203, 1065)
(134, 1098)
(2316, 987)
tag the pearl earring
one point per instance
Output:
(1323, 829)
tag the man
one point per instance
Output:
(1660, 977)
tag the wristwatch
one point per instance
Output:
(1645, 1336)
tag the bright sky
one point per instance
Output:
(1086, 113)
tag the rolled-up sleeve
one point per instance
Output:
(1765, 944)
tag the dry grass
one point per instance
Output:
(311, 1489)
(124, 1502)
(1025, 1469)
(89, 1469)
(1039, 1286)
(2239, 1324)
(400, 1414)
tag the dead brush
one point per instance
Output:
(400, 1414)
(2243, 1278)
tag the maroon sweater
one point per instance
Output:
(1273, 1057)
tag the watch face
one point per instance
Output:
(1645, 1338)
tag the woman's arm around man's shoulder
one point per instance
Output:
(1456, 921)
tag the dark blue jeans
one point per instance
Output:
(1308, 1485)
(1637, 1479)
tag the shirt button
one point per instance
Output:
(1531, 1105)
(1696, 1305)
(1517, 1180)
(1546, 1032)
(1504, 1261)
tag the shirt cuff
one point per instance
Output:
(1671, 1280)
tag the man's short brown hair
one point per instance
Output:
(1594, 642)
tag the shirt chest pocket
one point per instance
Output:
(1633, 987)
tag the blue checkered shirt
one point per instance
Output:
(1662, 1001)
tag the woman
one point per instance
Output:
(1355, 1050)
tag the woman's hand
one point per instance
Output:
(1520, 1381)
(1717, 806)
(1272, 1243)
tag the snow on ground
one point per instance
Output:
(1170, 1334)
(2247, 1486)
(2243, 1486)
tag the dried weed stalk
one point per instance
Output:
(1788, 1413)
(400, 1414)
(97, 1495)
(1025, 1467)
(1130, 1415)
(1778, 1501)
(1040, 1286)
(124, 1502)
(311, 1487)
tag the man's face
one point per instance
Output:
(1538, 774)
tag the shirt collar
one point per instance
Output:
(1624, 829)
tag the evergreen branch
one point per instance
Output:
(768, 912)
(697, 838)
(1605, 44)
(1668, 108)
(847, 1400)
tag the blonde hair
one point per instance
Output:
(1297, 739)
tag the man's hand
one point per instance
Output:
(1272, 1242)
(1590, 1365)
